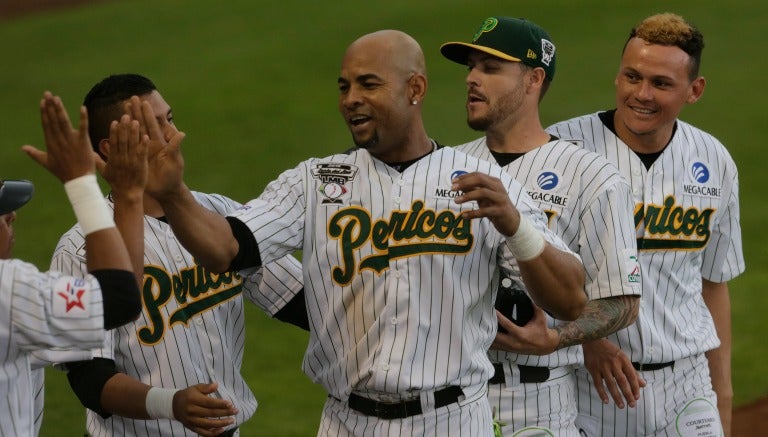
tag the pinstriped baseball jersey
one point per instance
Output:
(42, 310)
(191, 329)
(399, 286)
(687, 224)
(589, 206)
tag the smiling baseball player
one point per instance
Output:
(187, 346)
(511, 64)
(685, 190)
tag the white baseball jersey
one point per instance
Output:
(399, 286)
(191, 329)
(40, 310)
(687, 226)
(589, 206)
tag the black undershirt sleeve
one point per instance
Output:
(88, 378)
(248, 254)
(120, 293)
(295, 312)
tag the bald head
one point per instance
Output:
(400, 50)
(381, 87)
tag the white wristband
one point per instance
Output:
(159, 403)
(527, 243)
(89, 205)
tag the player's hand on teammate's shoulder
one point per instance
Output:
(612, 372)
(492, 201)
(201, 413)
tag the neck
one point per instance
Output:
(650, 142)
(410, 149)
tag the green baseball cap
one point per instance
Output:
(511, 39)
(14, 194)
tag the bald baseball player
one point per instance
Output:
(176, 370)
(685, 194)
(49, 309)
(511, 66)
(402, 241)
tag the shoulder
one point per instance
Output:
(576, 127)
(702, 143)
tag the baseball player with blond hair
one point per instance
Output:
(176, 369)
(685, 189)
(51, 310)
(511, 65)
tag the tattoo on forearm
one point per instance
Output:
(600, 318)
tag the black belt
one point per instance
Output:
(402, 409)
(528, 374)
(653, 366)
(228, 433)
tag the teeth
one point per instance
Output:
(643, 111)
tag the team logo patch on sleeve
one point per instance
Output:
(71, 298)
(632, 266)
(333, 179)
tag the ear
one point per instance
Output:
(535, 78)
(417, 87)
(697, 89)
(104, 148)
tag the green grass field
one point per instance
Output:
(255, 92)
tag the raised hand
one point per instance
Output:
(126, 166)
(492, 200)
(68, 152)
(166, 163)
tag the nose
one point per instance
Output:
(644, 91)
(472, 78)
(351, 97)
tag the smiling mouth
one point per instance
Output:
(358, 120)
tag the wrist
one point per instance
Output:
(159, 403)
(88, 203)
(527, 243)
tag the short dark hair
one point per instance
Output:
(672, 30)
(104, 102)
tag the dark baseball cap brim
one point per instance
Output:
(14, 194)
(459, 52)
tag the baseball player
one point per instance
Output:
(48, 309)
(511, 65)
(181, 359)
(685, 189)
(401, 243)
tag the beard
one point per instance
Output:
(371, 143)
(498, 110)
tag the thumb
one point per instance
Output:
(208, 388)
(37, 155)
(100, 164)
(176, 139)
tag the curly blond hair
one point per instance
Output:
(670, 29)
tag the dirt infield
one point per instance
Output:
(748, 420)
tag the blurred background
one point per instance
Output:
(253, 84)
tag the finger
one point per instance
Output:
(62, 117)
(613, 389)
(123, 134)
(133, 107)
(505, 323)
(83, 128)
(134, 139)
(153, 128)
(600, 387)
(100, 164)
(37, 155)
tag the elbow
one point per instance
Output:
(574, 307)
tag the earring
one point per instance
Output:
(414, 102)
